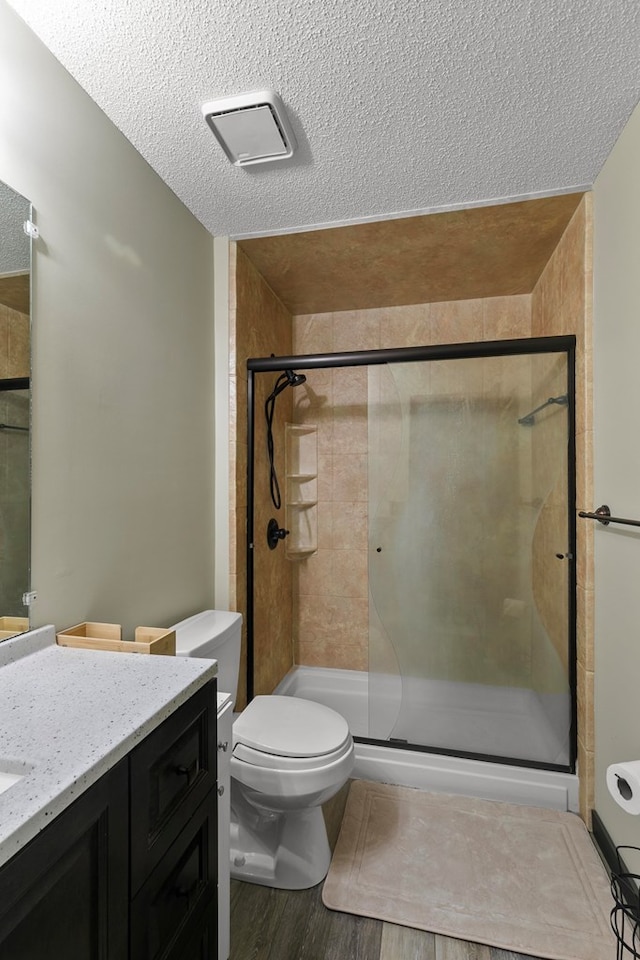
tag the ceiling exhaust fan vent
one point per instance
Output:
(251, 127)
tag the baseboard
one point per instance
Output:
(615, 863)
(604, 843)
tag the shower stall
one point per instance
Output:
(460, 521)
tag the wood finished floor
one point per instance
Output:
(269, 924)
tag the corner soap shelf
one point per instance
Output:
(301, 504)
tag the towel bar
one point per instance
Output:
(603, 516)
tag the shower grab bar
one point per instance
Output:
(10, 426)
(530, 418)
(603, 516)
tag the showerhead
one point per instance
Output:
(530, 418)
(295, 379)
(287, 379)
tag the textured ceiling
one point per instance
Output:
(398, 106)
(15, 249)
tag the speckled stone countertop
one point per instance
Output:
(68, 715)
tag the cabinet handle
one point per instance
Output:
(187, 891)
(183, 771)
(223, 745)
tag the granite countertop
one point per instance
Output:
(68, 715)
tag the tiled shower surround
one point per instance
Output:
(323, 600)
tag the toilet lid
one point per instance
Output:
(290, 727)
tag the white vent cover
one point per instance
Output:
(251, 127)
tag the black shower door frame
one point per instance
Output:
(456, 351)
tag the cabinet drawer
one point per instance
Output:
(179, 899)
(172, 770)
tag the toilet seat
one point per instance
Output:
(290, 733)
(273, 761)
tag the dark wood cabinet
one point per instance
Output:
(174, 839)
(179, 891)
(66, 893)
(172, 771)
(129, 870)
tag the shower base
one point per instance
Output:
(346, 691)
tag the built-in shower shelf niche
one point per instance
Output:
(301, 502)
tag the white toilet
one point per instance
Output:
(288, 757)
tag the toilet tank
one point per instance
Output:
(215, 635)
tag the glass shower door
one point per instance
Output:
(469, 578)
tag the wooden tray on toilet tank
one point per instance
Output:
(12, 626)
(108, 636)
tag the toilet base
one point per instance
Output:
(289, 851)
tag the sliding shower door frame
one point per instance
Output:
(456, 351)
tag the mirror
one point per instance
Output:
(15, 394)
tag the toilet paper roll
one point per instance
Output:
(623, 783)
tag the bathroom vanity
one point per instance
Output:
(108, 833)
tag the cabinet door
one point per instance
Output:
(65, 895)
(179, 899)
(225, 737)
(201, 945)
(172, 771)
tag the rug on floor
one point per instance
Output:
(520, 878)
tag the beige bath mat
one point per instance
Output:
(520, 878)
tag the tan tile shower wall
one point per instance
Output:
(331, 613)
(561, 304)
(14, 343)
(548, 573)
(331, 609)
(259, 326)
